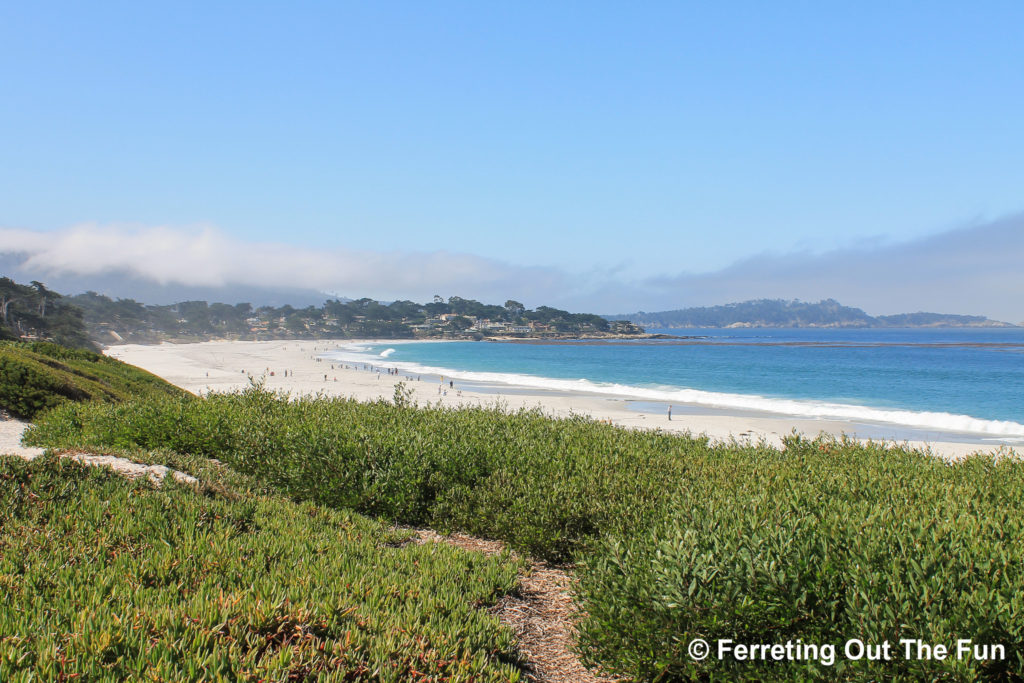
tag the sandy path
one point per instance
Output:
(10, 444)
(10, 439)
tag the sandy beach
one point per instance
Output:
(295, 366)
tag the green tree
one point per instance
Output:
(460, 323)
(514, 309)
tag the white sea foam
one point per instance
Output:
(386, 352)
(950, 422)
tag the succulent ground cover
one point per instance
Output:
(107, 579)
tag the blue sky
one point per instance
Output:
(605, 143)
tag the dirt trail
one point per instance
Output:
(542, 616)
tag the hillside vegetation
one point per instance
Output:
(822, 541)
(110, 580)
(35, 376)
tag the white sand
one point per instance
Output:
(226, 365)
(10, 439)
(10, 444)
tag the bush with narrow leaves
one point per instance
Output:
(823, 542)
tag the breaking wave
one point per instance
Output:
(803, 408)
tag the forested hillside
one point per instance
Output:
(113, 321)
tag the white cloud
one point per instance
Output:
(208, 257)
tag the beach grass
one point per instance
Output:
(674, 538)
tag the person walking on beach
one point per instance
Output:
(670, 413)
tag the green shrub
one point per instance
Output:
(546, 486)
(823, 542)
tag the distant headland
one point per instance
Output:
(795, 313)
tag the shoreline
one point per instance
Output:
(203, 367)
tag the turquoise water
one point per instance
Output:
(961, 380)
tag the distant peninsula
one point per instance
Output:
(795, 313)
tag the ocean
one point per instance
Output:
(964, 384)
